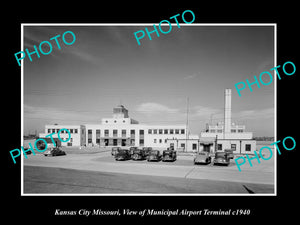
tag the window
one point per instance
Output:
(115, 121)
(149, 131)
(53, 130)
(106, 133)
(132, 132)
(160, 140)
(98, 141)
(171, 131)
(141, 132)
(154, 131)
(240, 131)
(166, 140)
(141, 141)
(233, 130)
(182, 131)
(212, 131)
(219, 131)
(106, 121)
(132, 142)
(98, 136)
(154, 140)
(194, 146)
(182, 145)
(90, 140)
(176, 131)
(49, 130)
(123, 133)
(123, 121)
(115, 142)
(76, 131)
(233, 147)
(166, 131)
(160, 131)
(89, 131)
(248, 147)
(219, 147)
(71, 131)
(115, 133)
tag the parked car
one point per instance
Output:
(169, 155)
(122, 154)
(147, 150)
(138, 154)
(202, 158)
(54, 152)
(154, 155)
(114, 150)
(221, 159)
(131, 149)
(229, 153)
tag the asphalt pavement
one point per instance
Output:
(261, 176)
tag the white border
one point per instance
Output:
(149, 24)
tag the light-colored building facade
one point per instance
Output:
(227, 135)
(121, 130)
(77, 134)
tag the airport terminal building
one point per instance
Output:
(121, 130)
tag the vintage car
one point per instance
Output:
(54, 152)
(221, 159)
(154, 155)
(147, 150)
(122, 154)
(169, 156)
(138, 154)
(202, 158)
(114, 150)
(229, 153)
(131, 149)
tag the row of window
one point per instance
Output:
(72, 131)
(115, 142)
(233, 147)
(166, 131)
(221, 131)
(141, 132)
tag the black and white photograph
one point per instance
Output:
(149, 114)
(161, 117)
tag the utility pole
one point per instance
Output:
(187, 123)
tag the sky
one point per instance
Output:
(105, 67)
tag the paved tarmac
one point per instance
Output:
(50, 180)
(262, 173)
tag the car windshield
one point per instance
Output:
(122, 151)
(154, 152)
(220, 154)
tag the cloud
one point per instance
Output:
(255, 114)
(192, 76)
(152, 107)
(53, 115)
(203, 111)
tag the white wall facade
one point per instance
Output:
(77, 134)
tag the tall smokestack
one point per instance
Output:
(227, 112)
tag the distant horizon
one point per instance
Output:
(81, 83)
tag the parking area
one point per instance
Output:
(183, 167)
